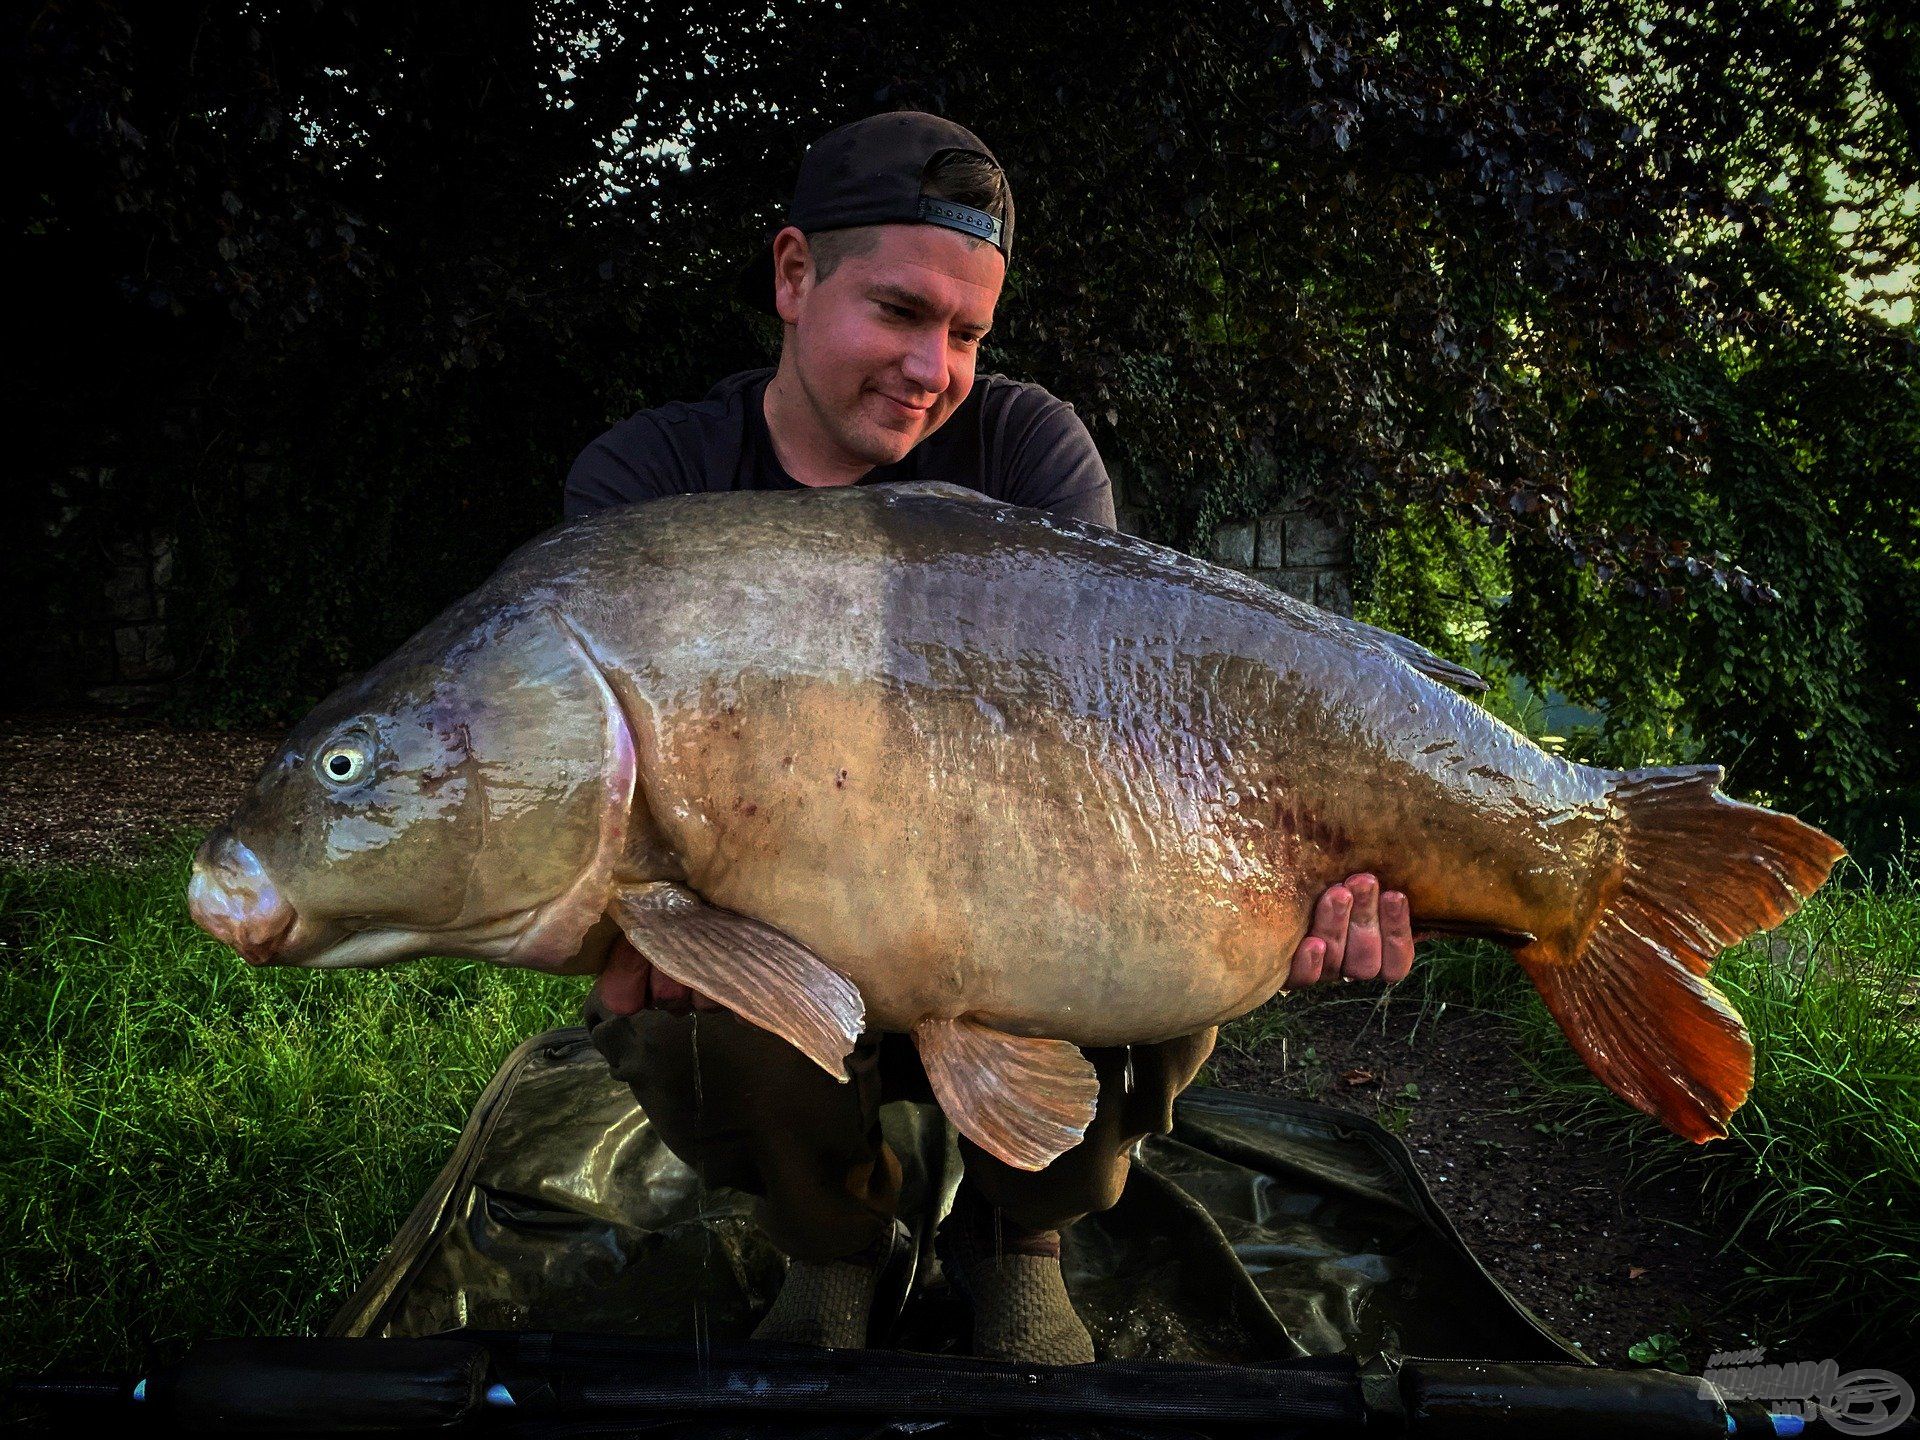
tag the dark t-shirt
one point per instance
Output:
(1007, 439)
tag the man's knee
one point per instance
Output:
(617, 1040)
(1086, 1180)
(822, 1210)
(653, 1053)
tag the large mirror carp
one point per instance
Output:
(906, 758)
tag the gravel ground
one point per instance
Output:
(1603, 1260)
(91, 787)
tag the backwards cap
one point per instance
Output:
(869, 173)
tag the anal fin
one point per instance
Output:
(1025, 1101)
(756, 971)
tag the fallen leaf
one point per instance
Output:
(1635, 1272)
(1359, 1077)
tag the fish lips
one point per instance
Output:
(233, 899)
(356, 949)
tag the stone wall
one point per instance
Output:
(140, 569)
(1304, 551)
(1307, 553)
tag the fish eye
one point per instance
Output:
(346, 760)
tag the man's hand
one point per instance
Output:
(1359, 932)
(630, 983)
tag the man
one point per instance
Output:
(885, 280)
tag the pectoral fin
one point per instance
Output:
(754, 970)
(1025, 1101)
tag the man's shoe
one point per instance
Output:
(1021, 1311)
(822, 1303)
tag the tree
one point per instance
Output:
(1580, 283)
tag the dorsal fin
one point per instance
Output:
(1421, 658)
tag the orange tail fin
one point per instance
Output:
(1698, 872)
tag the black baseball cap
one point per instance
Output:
(869, 173)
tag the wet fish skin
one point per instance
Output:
(1009, 776)
(1124, 802)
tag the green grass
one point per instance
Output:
(1818, 1182)
(189, 1146)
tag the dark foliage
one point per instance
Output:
(344, 288)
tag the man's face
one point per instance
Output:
(884, 347)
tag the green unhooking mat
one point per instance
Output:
(1259, 1230)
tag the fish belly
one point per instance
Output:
(949, 867)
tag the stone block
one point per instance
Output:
(128, 595)
(1333, 591)
(1234, 545)
(1273, 541)
(1316, 540)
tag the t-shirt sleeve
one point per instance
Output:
(633, 461)
(1052, 464)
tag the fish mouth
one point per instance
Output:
(233, 899)
(543, 936)
(262, 951)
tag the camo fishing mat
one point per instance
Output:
(1259, 1229)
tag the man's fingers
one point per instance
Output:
(1330, 928)
(675, 998)
(1308, 956)
(1362, 961)
(622, 986)
(1396, 937)
(669, 994)
(630, 983)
